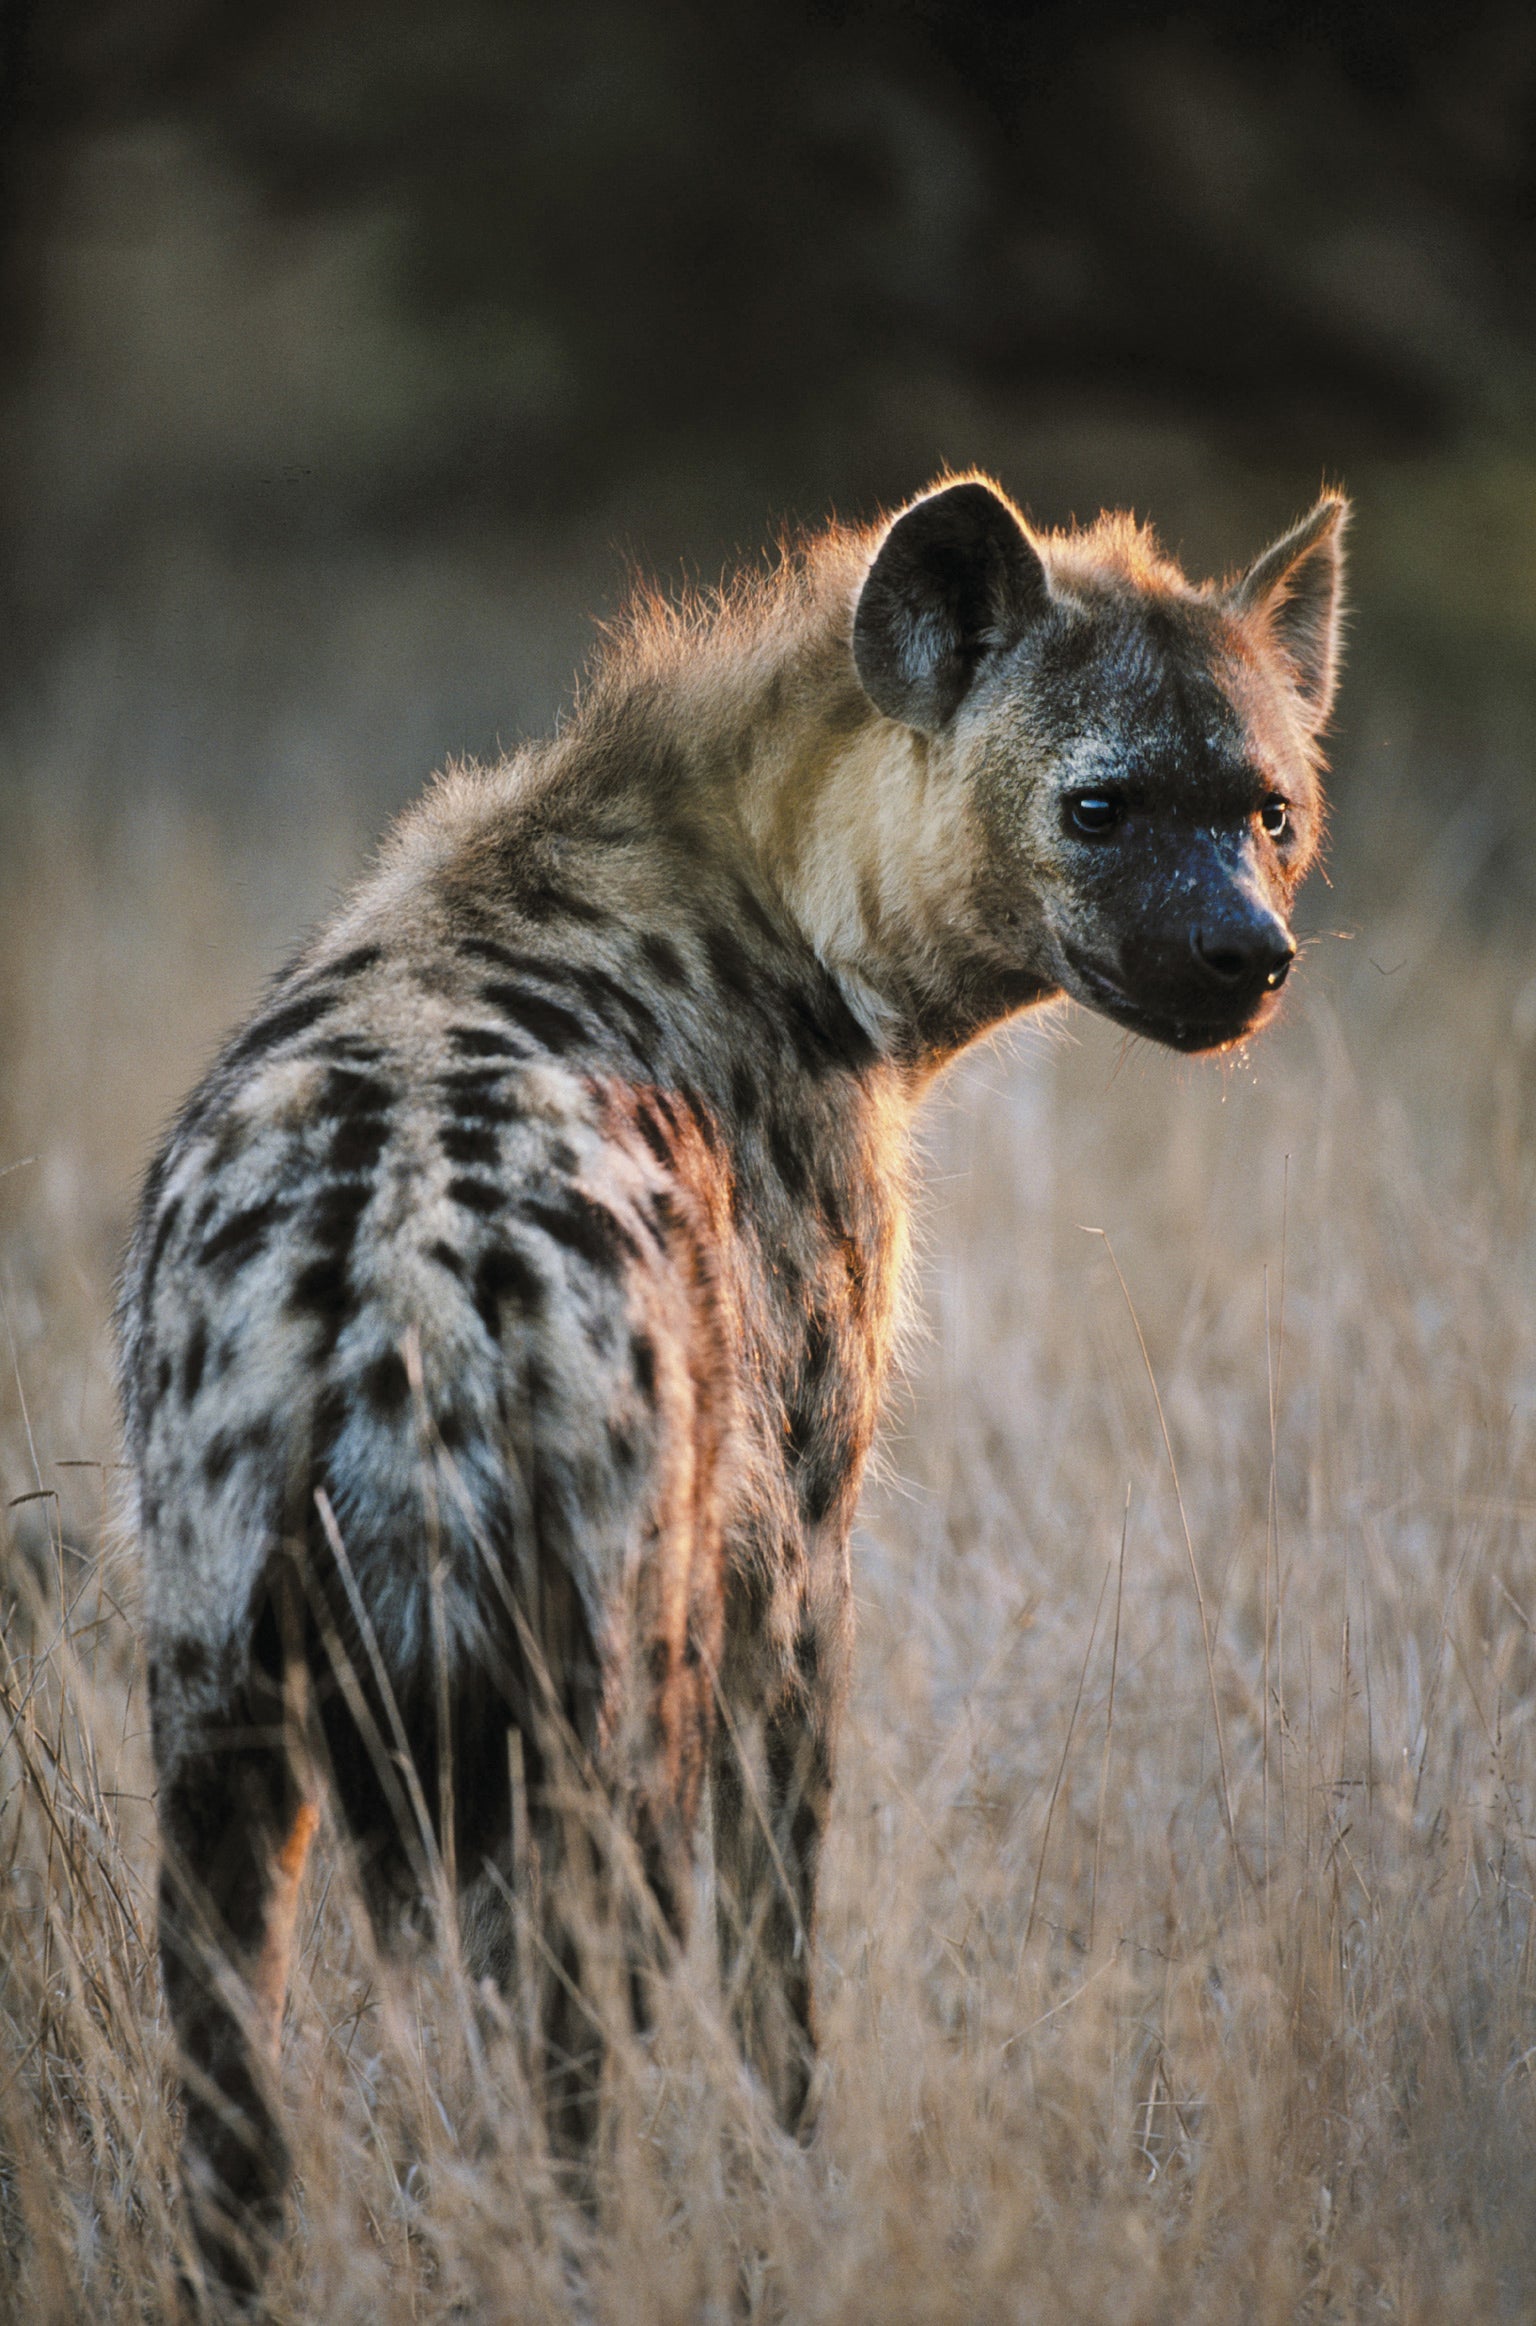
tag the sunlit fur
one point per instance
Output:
(506, 1322)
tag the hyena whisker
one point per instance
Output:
(505, 1325)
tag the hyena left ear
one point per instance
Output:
(956, 579)
(1294, 589)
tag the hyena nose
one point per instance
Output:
(1259, 951)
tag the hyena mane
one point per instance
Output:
(505, 1323)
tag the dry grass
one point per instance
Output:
(1158, 1985)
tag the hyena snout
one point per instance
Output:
(1253, 949)
(1206, 970)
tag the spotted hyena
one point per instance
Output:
(507, 1316)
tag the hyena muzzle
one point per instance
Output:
(507, 1314)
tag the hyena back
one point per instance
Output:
(507, 1315)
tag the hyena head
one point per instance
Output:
(1139, 755)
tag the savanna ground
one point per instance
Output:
(1177, 1945)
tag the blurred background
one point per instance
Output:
(352, 348)
(354, 353)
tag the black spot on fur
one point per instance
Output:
(453, 1430)
(234, 1245)
(281, 1025)
(733, 966)
(477, 1195)
(807, 1437)
(586, 1228)
(193, 1361)
(471, 1143)
(546, 902)
(218, 1460)
(338, 1211)
(357, 1104)
(323, 1288)
(623, 1012)
(664, 958)
(788, 1161)
(701, 1116)
(162, 1376)
(799, 1780)
(190, 1661)
(354, 963)
(446, 1257)
(347, 1091)
(554, 1028)
(613, 1000)
(503, 1273)
(819, 1482)
(357, 1146)
(386, 1385)
(164, 1229)
(642, 1358)
(622, 1449)
(491, 949)
(826, 1035)
(483, 1042)
(654, 1136)
(477, 1094)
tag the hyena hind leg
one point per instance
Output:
(236, 1824)
(615, 1888)
(768, 1829)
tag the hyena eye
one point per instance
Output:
(1275, 817)
(1095, 811)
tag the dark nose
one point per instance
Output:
(1256, 952)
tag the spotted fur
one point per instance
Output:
(506, 1320)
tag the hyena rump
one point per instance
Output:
(507, 1316)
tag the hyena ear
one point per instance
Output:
(956, 579)
(1295, 590)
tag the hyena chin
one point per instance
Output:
(506, 1318)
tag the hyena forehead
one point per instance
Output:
(1162, 700)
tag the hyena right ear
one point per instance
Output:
(1295, 589)
(956, 579)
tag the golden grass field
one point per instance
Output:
(1177, 1953)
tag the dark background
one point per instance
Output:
(353, 349)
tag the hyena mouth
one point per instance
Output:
(1166, 1022)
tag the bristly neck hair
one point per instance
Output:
(741, 708)
(856, 824)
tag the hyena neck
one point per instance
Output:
(866, 833)
(741, 732)
(869, 835)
